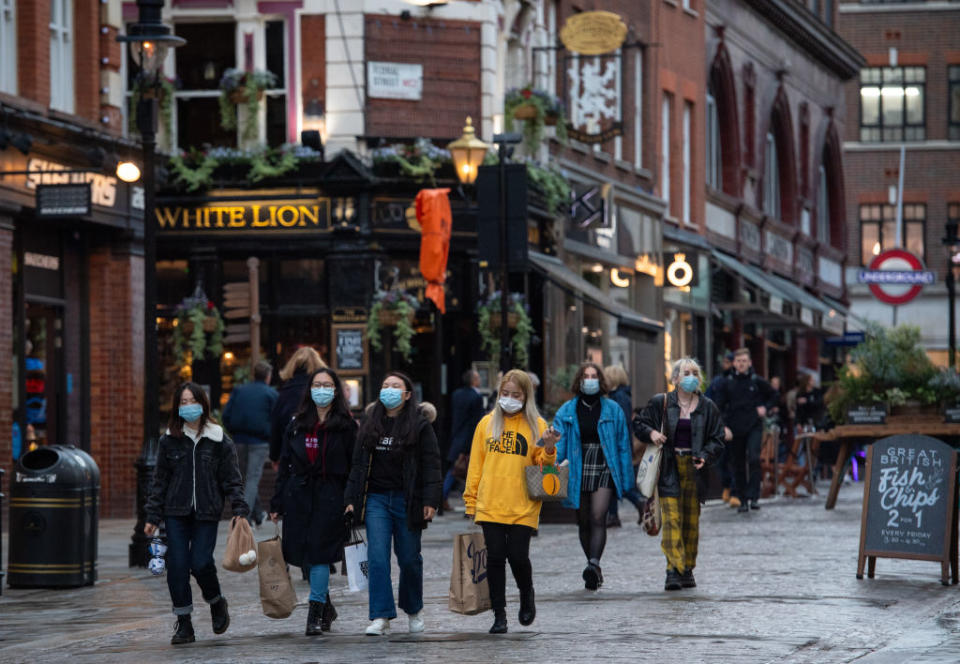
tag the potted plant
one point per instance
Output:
(243, 87)
(420, 160)
(537, 108)
(198, 327)
(945, 384)
(167, 91)
(394, 309)
(518, 319)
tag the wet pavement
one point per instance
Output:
(777, 585)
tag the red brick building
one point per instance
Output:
(71, 283)
(907, 96)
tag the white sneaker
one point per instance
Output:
(379, 627)
(416, 622)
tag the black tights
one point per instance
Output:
(507, 542)
(592, 521)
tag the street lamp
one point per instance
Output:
(952, 244)
(468, 152)
(149, 41)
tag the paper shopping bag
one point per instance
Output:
(355, 555)
(277, 596)
(240, 542)
(469, 591)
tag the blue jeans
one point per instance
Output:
(387, 516)
(319, 576)
(190, 551)
(448, 483)
(252, 457)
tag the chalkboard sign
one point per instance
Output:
(951, 414)
(867, 414)
(909, 503)
(350, 348)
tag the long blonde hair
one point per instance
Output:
(306, 359)
(615, 375)
(530, 412)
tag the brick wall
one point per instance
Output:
(450, 54)
(116, 375)
(313, 60)
(33, 51)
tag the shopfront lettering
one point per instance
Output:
(103, 187)
(274, 216)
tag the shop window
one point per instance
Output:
(301, 282)
(878, 229)
(200, 63)
(61, 55)
(8, 46)
(892, 104)
(771, 178)
(953, 132)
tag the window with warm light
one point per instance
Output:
(878, 229)
(8, 46)
(61, 55)
(892, 104)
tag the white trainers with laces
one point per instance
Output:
(379, 627)
(416, 622)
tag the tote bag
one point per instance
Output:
(648, 473)
(355, 555)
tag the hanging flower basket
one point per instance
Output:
(396, 310)
(199, 328)
(210, 324)
(518, 320)
(241, 96)
(550, 119)
(525, 112)
(391, 317)
(536, 109)
(512, 320)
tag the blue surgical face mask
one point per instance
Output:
(689, 383)
(191, 412)
(322, 396)
(590, 386)
(391, 397)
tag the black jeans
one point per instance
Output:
(746, 463)
(190, 551)
(507, 542)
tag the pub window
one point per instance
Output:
(771, 178)
(714, 152)
(210, 50)
(276, 98)
(8, 46)
(61, 55)
(892, 104)
(953, 132)
(878, 229)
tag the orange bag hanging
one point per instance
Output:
(436, 222)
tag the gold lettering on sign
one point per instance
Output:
(593, 33)
(237, 217)
(257, 222)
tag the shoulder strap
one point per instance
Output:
(663, 417)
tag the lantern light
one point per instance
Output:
(468, 152)
(128, 171)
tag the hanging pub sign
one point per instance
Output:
(681, 270)
(593, 33)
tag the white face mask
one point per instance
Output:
(510, 405)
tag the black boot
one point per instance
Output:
(592, 577)
(673, 580)
(184, 631)
(528, 610)
(328, 616)
(499, 622)
(314, 619)
(220, 616)
(687, 580)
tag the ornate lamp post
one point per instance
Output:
(149, 41)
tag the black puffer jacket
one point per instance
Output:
(422, 481)
(706, 436)
(197, 476)
(289, 397)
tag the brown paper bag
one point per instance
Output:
(239, 542)
(469, 591)
(277, 595)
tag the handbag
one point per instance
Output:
(648, 472)
(460, 466)
(240, 545)
(358, 566)
(650, 516)
(469, 590)
(547, 483)
(277, 596)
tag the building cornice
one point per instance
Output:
(899, 7)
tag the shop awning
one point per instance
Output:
(832, 318)
(560, 275)
(778, 298)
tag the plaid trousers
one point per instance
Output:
(680, 532)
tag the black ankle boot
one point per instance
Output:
(220, 616)
(328, 616)
(184, 631)
(499, 622)
(687, 580)
(314, 618)
(528, 610)
(673, 581)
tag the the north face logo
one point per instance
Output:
(510, 442)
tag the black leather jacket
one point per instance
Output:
(706, 435)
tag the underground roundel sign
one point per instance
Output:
(896, 276)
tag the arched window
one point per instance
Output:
(823, 208)
(779, 164)
(723, 133)
(831, 212)
(771, 177)
(714, 146)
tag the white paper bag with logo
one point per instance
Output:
(277, 596)
(648, 473)
(355, 555)
(469, 591)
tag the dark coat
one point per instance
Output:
(248, 414)
(217, 477)
(706, 429)
(422, 481)
(466, 410)
(310, 496)
(624, 398)
(738, 396)
(289, 397)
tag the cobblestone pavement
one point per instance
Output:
(777, 585)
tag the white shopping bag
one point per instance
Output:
(355, 554)
(648, 472)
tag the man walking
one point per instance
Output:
(724, 463)
(466, 410)
(743, 398)
(247, 418)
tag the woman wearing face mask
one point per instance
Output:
(394, 487)
(314, 466)
(596, 441)
(196, 472)
(692, 437)
(505, 441)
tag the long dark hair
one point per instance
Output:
(339, 416)
(405, 426)
(578, 379)
(175, 423)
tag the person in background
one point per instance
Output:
(725, 462)
(247, 418)
(535, 381)
(295, 377)
(314, 466)
(196, 473)
(595, 439)
(394, 488)
(466, 409)
(692, 436)
(619, 386)
(505, 441)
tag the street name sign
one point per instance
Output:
(896, 276)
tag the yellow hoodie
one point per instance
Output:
(496, 487)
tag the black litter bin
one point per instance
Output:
(54, 496)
